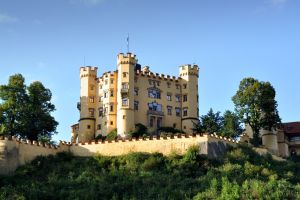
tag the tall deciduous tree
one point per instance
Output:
(26, 111)
(256, 105)
(13, 100)
(231, 125)
(39, 122)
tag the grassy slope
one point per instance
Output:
(240, 174)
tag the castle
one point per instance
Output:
(132, 95)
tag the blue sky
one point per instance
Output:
(47, 40)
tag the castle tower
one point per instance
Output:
(189, 91)
(87, 106)
(269, 140)
(125, 93)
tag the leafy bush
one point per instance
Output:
(139, 131)
(112, 135)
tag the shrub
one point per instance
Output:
(112, 135)
(139, 131)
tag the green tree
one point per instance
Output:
(39, 124)
(231, 125)
(25, 111)
(256, 105)
(13, 99)
(212, 122)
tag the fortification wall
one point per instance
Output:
(208, 144)
(14, 153)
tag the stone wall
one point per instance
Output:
(14, 153)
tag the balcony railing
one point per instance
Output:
(154, 112)
(124, 90)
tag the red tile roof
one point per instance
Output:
(291, 127)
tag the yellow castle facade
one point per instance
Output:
(132, 95)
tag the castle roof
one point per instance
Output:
(291, 127)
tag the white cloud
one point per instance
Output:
(88, 2)
(7, 19)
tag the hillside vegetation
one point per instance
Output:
(240, 174)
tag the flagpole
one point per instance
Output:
(128, 43)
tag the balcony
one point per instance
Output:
(154, 112)
(124, 90)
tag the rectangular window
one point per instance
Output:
(177, 86)
(185, 98)
(111, 123)
(177, 112)
(105, 110)
(185, 111)
(100, 98)
(136, 105)
(151, 123)
(169, 97)
(154, 106)
(124, 74)
(100, 112)
(99, 127)
(184, 86)
(169, 109)
(168, 84)
(177, 98)
(136, 91)
(124, 86)
(111, 81)
(88, 126)
(92, 112)
(111, 92)
(111, 109)
(105, 95)
(154, 93)
(92, 99)
(124, 102)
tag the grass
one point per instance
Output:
(240, 174)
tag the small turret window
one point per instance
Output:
(136, 105)
(185, 111)
(100, 112)
(184, 86)
(177, 110)
(177, 97)
(169, 97)
(92, 112)
(124, 74)
(185, 98)
(124, 102)
(169, 109)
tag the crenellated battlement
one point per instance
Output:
(129, 58)
(88, 71)
(155, 138)
(158, 76)
(185, 70)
